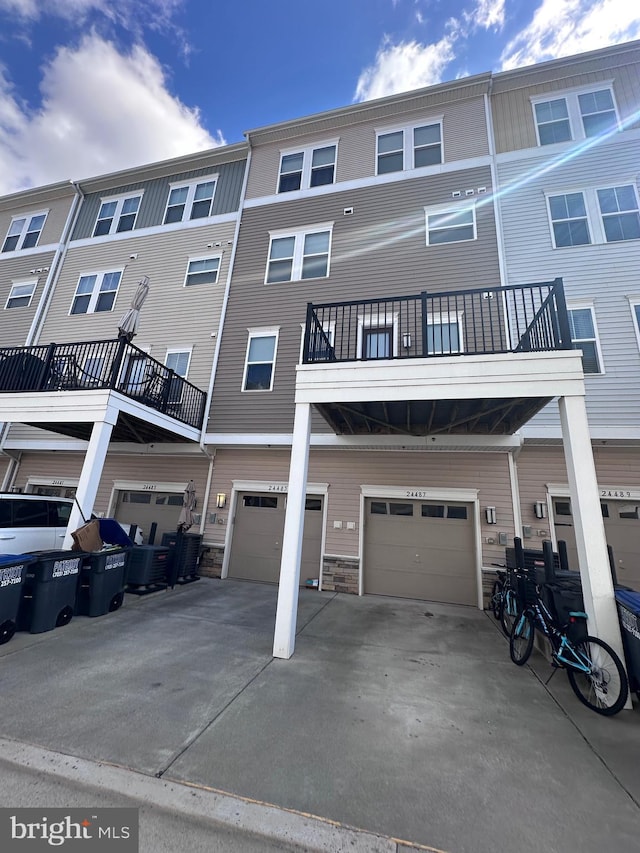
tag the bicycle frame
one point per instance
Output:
(564, 651)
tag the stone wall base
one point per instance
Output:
(340, 574)
(211, 562)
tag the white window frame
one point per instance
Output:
(28, 219)
(570, 97)
(386, 319)
(188, 351)
(588, 305)
(298, 256)
(95, 293)
(602, 215)
(449, 319)
(118, 214)
(260, 332)
(212, 257)
(191, 187)
(307, 153)
(408, 148)
(634, 304)
(439, 210)
(595, 221)
(588, 215)
(13, 295)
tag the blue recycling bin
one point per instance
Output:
(13, 571)
(629, 612)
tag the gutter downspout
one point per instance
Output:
(502, 261)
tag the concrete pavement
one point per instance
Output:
(404, 719)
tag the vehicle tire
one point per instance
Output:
(509, 611)
(7, 630)
(605, 689)
(64, 617)
(496, 598)
(116, 602)
(521, 639)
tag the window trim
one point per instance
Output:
(307, 152)
(216, 256)
(260, 332)
(115, 219)
(298, 251)
(28, 218)
(388, 319)
(191, 185)
(574, 115)
(32, 282)
(448, 319)
(178, 351)
(634, 305)
(408, 148)
(588, 213)
(95, 292)
(579, 305)
(595, 219)
(440, 209)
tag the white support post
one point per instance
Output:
(287, 611)
(593, 559)
(90, 477)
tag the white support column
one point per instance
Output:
(287, 612)
(593, 559)
(91, 474)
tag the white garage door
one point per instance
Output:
(415, 549)
(256, 546)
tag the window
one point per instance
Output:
(377, 343)
(190, 201)
(576, 115)
(303, 255)
(409, 148)
(444, 334)
(635, 308)
(620, 215)
(202, 271)
(96, 292)
(451, 226)
(569, 220)
(312, 167)
(178, 361)
(583, 336)
(117, 215)
(260, 501)
(260, 360)
(24, 232)
(21, 294)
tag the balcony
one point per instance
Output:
(459, 362)
(74, 370)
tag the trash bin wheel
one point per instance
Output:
(7, 630)
(64, 617)
(116, 602)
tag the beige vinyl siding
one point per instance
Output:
(346, 471)
(605, 275)
(464, 136)
(378, 251)
(511, 104)
(16, 322)
(58, 210)
(173, 316)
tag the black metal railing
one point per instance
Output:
(112, 364)
(519, 318)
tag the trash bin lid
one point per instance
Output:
(10, 559)
(630, 599)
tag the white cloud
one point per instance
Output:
(404, 66)
(566, 27)
(100, 111)
(123, 11)
(488, 14)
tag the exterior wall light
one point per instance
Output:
(490, 513)
(221, 500)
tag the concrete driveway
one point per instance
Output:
(403, 718)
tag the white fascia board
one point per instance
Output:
(369, 442)
(49, 249)
(598, 433)
(26, 445)
(153, 230)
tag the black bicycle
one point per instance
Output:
(504, 600)
(594, 670)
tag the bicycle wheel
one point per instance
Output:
(521, 639)
(509, 611)
(605, 688)
(496, 598)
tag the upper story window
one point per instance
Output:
(444, 333)
(409, 148)
(24, 232)
(450, 225)
(569, 220)
(21, 294)
(311, 167)
(202, 271)
(96, 292)
(190, 200)
(620, 214)
(301, 255)
(576, 115)
(178, 361)
(583, 336)
(117, 215)
(604, 215)
(260, 360)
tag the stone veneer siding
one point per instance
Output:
(340, 574)
(211, 562)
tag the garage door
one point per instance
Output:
(415, 549)
(256, 547)
(145, 508)
(622, 529)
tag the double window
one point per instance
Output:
(21, 294)
(24, 232)
(117, 215)
(450, 225)
(409, 148)
(202, 271)
(96, 292)
(584, 337)
(192, 200)
(260, 360)
(576, 115)
(606, 215)
(311, 167)
(300, 255)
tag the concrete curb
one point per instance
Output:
(259, 819)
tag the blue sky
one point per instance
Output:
(92, 86)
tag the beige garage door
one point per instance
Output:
(147, 508)
(415, 549)
(622, 529)
(256, 547)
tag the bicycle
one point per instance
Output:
(504, 600)
(594, 670)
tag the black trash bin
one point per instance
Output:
(103, 578)
(13, 571)
(49, 591)
(147, 569)
(629, 612)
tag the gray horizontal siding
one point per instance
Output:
(156, 193)
(378, 251)
(16, 322)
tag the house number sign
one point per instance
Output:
(277, 487)
(627, 494)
